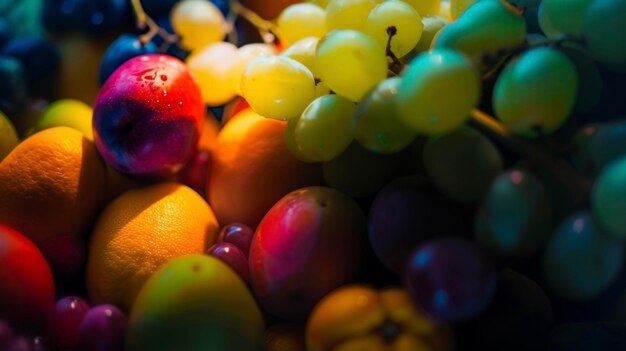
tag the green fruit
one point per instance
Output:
(67, 113)
(195, 302)
(8, 136)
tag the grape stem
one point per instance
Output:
(517, 11)
(268, 30)
(396, 65)
(561, 171)
(144, 21)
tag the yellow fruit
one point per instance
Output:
(52, 184)
(140, 231)
(8, 136)
(67, 113)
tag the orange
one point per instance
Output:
(252, 169)
(52, 184)
(210, 129)
(140, 231)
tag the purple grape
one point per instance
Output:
(451, 279)
(237, 234)
(6, 334)
(24, 343)
(232, 256)
(62, 327)
(103, 329)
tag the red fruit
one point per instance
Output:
(148, 116)
(26, 284)
(311, 242)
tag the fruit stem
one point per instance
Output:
(396, 65)
(268, 30)
(559, 169)
(517, 11)
(144, 21)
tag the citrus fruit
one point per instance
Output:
(140, 231)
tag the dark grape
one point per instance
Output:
(61, 15)
(608, 199)
(406, 213)
(451, 279)
(40, 57)
(102, 16)
(462, 164)
(103, 329)
(62, 328)
(25, 343)
(5, 32)
(124, 48)
(232, 256)
(597, 145)
(13, 90)
(519, 318)
(515, 217)
(602, 29)
(237, 234)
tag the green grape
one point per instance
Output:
(290, 141)
(425, 7)
(345, 172)
(462, 164)
(350, 62)
(515, 217)
(245, 55)
(457, 7)
(536, 92)
(580, 261)
(395, 13)
(303, 51)
(320, 3)
(301, 20)
(211, 67)
(432, 26)
(321, 89)
(198, 23)
(376, 125)
(348, 14)
(323, 131)
(608, 198)
(597, 145)
(546, 24)
(566, 16)
(485, 27)
(437, 92)
(603, 28)
(587, 71)
(277, 87)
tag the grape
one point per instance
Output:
(406, 213)
(603, 29)
(437, 92)
(345, 173)
(102, 16)
(566, 16)
(401, 16)
(462, 164)
(303, 51)
(457, 7)
(320, 3)
(580, 262)
(321, 89)
(608, 199)
(13, 90)
(351, 63)
(590, 89)
(40, 57)
(431, 26)
(302, 20)
(198, 23)
(323, 131)
(348, 14)
(63, 322)
(6, 33)
(485, 27)
(598, 145)
(212, 67)
(515, 217)
(237, 234)
(245, 55)
(290, 141)
(24, 343)
(122, 49)
(376, 124)
(278, 87)
(103, 328)
(546, 24)
(536, 92)
(233, 257)
(451, 279)
(519, 318)
(425, 7)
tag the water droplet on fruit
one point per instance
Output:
(180, 103)
(163, 77)
(164, 92)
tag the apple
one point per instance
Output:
(308, 244)
(148, 116)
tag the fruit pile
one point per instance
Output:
(312, 175)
